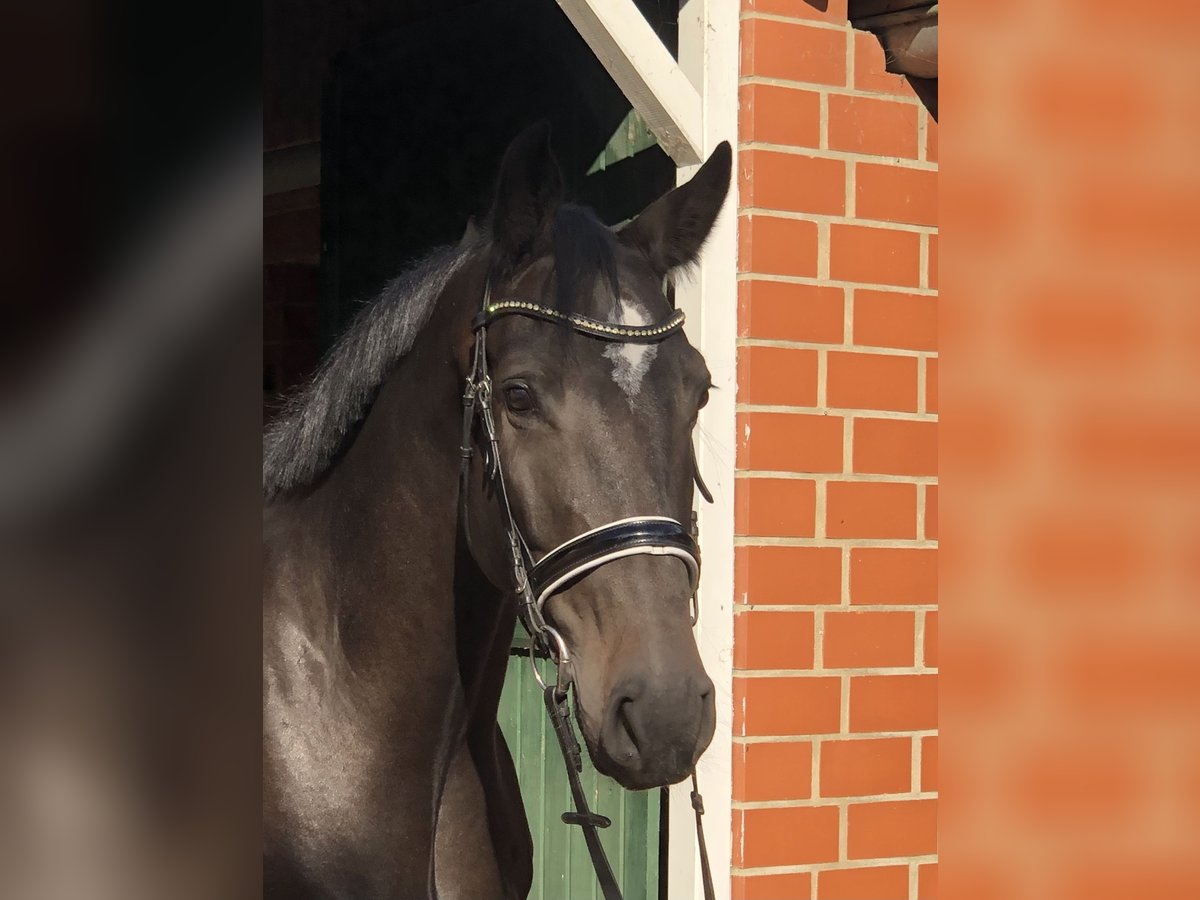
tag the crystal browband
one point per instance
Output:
(605, 331)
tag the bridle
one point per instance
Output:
(536, 581)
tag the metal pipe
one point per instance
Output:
(912, 48)
(897, 17)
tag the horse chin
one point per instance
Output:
(669, 768)
(639, 778)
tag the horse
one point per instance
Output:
(388, 583)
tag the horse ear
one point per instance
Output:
(672, 229)
(529, 189)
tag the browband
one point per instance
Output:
(605, 331)
(640, 536)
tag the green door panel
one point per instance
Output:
(561, 867)
(631, 137)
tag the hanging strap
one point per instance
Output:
(560, 719)
(705, 869)
(556, 706)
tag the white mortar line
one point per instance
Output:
(897, 162)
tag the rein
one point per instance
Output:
(537, 581)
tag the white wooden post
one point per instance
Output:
(643, 69)
(708, 54)
(691, 106)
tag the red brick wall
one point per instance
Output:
(835, 681)
(1071, 452)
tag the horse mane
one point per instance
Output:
(302, 443)
(312, 427)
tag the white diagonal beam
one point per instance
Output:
(645, 72)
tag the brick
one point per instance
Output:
(933, 262)
(782, 311)
(786, 705)
(871, 381)
(1149, 214)
(870, 72)
(790, 182)
(777, 376)
(930, 654)
(1102, 108)
(1078, 554)
(931, 140)
(988, 678)
(905, 575)
(772, 771)
(867, 883)
(865, 768)
(931, 512)
(1075, 783)
(783, 886)
(1109, 446)
(895, 194)
(931, 385)
(775, 507)
(874, 255)
(894, 319)
(1139, 670)
(855, 640)
(929, 763)
(892, 828)
(1067, 326)
(927, 881)
(787, 442)
(1171, 874)
(893, 702)
(770, 639)
(787, 575)
(871, 510)
(772, 114)
(895, 447)
(789, 836)
(823, 10)
(875, 127)
(793, 52)
(773, 246)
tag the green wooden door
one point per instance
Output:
(561, 867)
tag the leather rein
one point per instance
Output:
(536, 581)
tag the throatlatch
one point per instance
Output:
(536, 582)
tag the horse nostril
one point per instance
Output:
(624, 722)
(620, 736)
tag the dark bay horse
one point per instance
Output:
(388, 600)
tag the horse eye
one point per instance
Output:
(703, 400)
(518, 398)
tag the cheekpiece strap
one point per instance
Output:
(605, 331)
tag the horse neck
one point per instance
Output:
(391, 513)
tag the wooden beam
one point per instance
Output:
(644, 70)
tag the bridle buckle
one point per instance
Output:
(562, 661)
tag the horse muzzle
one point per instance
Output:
(651, 734)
